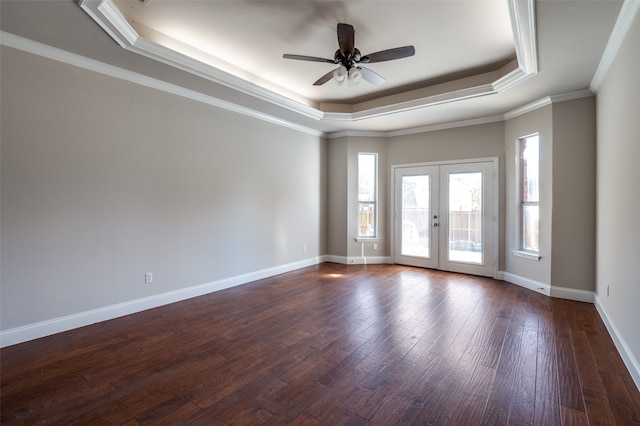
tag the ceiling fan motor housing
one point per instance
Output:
(346, 59)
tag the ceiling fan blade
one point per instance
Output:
(371, 76)
(322, 80)
(346, 39)
(308, 58)
(389, 54)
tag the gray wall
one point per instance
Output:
(368, 145)
(342, 198)
(104, 180)
(567, 195)
(618, 207)
(574, 194)
(337, 197)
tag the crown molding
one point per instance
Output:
(447, 126)
(40, 49)
(522, 15)
(570, 96)
(418, 130)
(357, 133)
(452, 96)
(547, 100)
(627, 15)
(30, 46)
(510, 80)
(523, 25)
(109, 17)
(532, 106)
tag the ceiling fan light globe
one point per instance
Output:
(340, 74)
(354, 76)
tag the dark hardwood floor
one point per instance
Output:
(331, 345)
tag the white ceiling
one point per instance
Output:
(253, 36)
(474, 59)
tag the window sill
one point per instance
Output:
(527, 255)
(367, 240)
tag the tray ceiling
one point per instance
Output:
(475, 59)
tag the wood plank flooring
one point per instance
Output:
(331, 345)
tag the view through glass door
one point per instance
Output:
(416, 215)
(444, 217)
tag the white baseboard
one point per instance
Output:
(385, 260)
(368, 260)
(536, 286)
(333, 259)
(546, 289)
(623, 349)
(57, 325)
(572, 294)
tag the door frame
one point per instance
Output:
(496, 201)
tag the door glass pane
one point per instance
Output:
(415, 216)
(465, 217)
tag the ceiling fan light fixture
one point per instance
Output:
(340, 74)
(354, 76)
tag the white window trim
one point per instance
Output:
(527, 254)
(367, 239)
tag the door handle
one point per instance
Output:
(435, 223)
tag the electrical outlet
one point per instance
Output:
(375, 246)
(304, 248)
(148, 277)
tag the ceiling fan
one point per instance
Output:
(350, 59)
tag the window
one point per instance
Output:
(367, 195)
(529, 182)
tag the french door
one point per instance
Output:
(444, 217)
